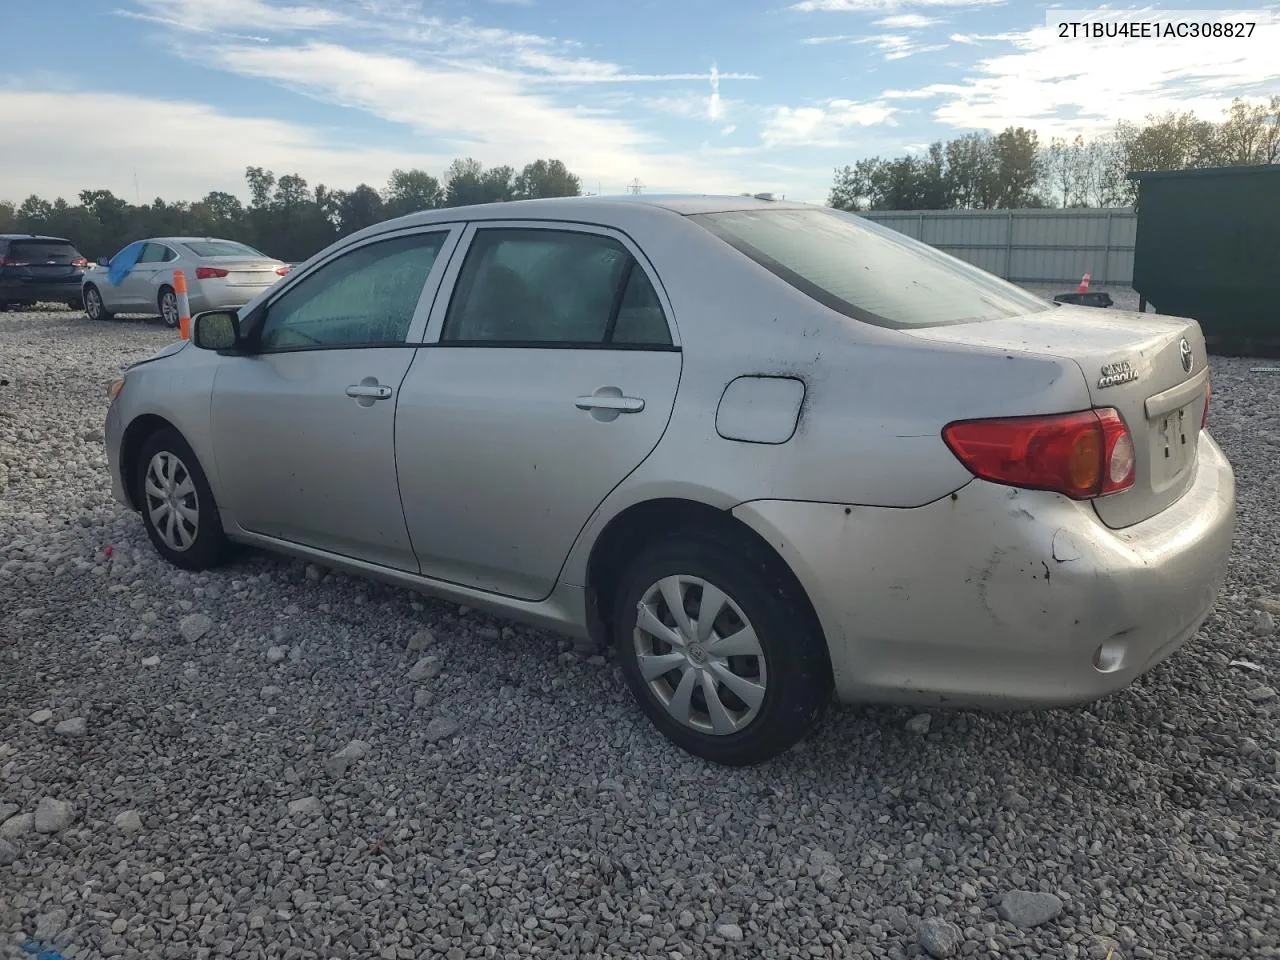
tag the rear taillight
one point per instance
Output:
(1208, 392)
(210, 273)
(1082, 455)
(6, 262)
(79, 262)
(281, 271)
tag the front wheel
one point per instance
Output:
(177, 504)
(94, 308)
(722, 655)
(168, 303)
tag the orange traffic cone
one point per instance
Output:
(1084, 283)
(184, 305)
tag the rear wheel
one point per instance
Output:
(722, 655)
(177, 504)
(94, 308)
(168, 303)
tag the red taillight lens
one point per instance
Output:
(1208, 393)
(1082, 455)
(281, 271)
(209, 273)
(79, 262)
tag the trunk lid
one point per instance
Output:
(1152, 369)
(245, 273)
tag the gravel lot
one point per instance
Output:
(169, 787)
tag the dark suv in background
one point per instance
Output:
(36, 269)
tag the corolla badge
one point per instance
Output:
(1116, 373)
(1188, 358)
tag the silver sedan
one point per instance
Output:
(769, 452)
(219, 273)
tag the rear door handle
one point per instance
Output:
(620, 404)
(370, 391)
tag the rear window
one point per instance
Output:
(42, 251)
(221, 248)
(867, 271)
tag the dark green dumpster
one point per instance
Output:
(1208, 247)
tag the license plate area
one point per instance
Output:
(1173, 444)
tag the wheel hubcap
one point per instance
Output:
(172, 503)
(699, 655)
(94, 304)
(169, 308)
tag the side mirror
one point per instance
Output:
(104, 261)
(216, 330)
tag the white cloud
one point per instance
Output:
(907, 21)
(1065, 87)
(216, 16)
(822, 126)
(895, 46)
(877, 6)
(179, 150)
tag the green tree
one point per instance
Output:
(409, 191)
(359, 208)
(546, 178)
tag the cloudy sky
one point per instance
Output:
(175, 97)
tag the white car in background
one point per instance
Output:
(219, 274)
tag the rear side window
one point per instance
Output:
(221, 248)
(867, 271)
(42, 252)
(553, 287)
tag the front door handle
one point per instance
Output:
(373, 391)
(618, 404)
(368, 391)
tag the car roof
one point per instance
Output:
(32, 236)
(192, 240)
(590, 207)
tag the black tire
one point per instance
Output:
(95, 307)
(164, 299)
(209, 546)
(797, 687)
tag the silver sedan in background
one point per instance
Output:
(767, 451)
(219, 273)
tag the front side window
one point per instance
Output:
(867, 271)
(552, 287)
(155, 253)
(365, 297)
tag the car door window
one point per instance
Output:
(640, 318)
(365, 297)
(542, 286)
(154, 253)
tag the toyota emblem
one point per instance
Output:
(1187, 358)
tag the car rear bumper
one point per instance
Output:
(1001, 597)
(219, 295)
(65, 291)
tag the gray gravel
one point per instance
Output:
(524, 807)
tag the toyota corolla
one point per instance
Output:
(770, 452)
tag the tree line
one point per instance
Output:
(285, 217)
(1015, 169)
